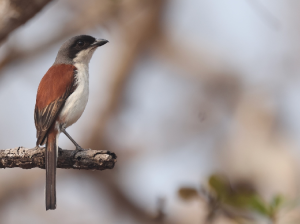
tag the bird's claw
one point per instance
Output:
(78, 149)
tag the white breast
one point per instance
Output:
(76, 102)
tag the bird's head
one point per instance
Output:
(78, 49)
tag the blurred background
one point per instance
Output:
(199, 99)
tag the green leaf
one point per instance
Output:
(277, 201)
(258, 205)
(219, 184)
(275, 204)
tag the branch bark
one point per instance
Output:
(14, 13)
(30, 158)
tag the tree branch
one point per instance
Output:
(14, 13)
(90, 15)
(29, 158)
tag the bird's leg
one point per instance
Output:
(78, 147)
(36, 147)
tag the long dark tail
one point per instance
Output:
(50, 163)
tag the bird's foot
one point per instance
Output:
(78, 149)
(36, 147)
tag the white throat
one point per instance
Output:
(84, 56)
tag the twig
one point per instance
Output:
(90, 15)
(14, 13)
(29, 158)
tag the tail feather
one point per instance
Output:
(51, 156)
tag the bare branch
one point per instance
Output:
(14, 13)
(29, 158)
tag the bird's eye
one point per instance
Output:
(80, 43)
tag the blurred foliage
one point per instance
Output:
(234, 200)
(188, 193)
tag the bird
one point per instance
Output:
(61, 98)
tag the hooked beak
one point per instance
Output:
(99, 42)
